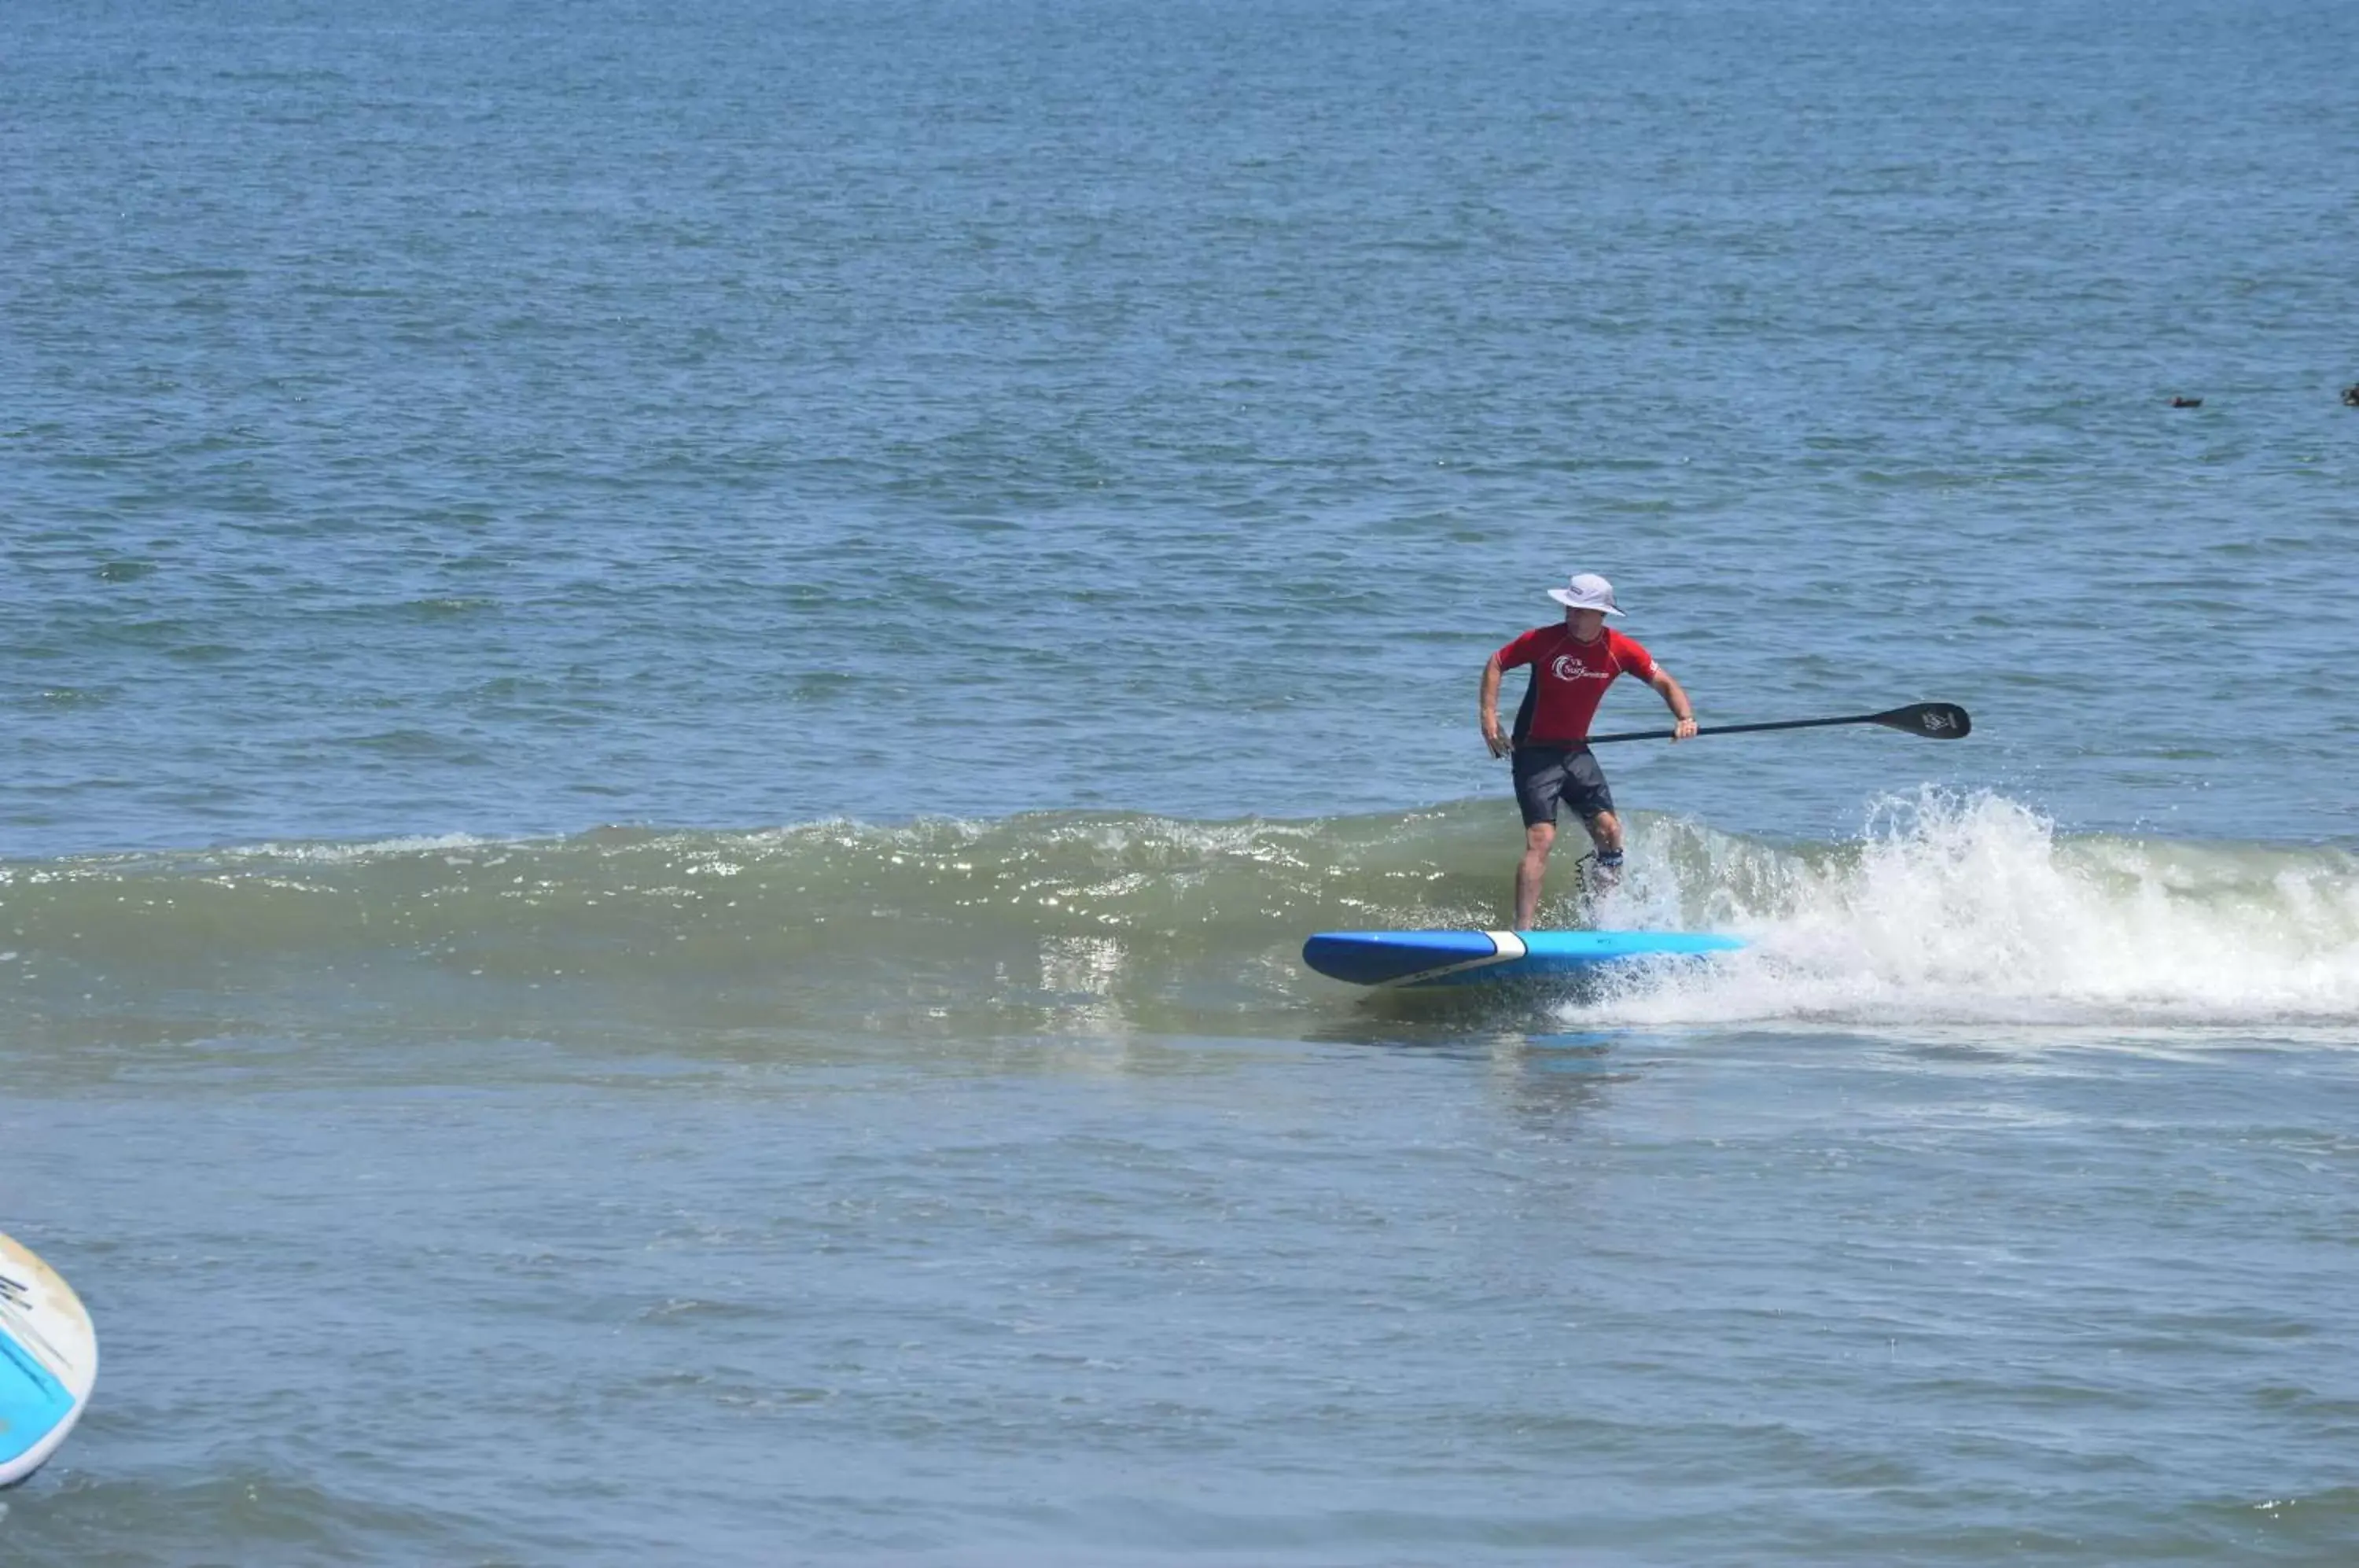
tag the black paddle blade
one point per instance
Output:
(1936, 721)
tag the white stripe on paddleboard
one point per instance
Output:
(1506, 948)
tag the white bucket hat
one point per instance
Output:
(1587, 591)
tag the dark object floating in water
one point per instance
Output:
(2186, 402)
(2350, 396)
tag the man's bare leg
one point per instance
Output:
(1537, 839)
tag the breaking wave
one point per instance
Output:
(1944, 909)
(1975, 909)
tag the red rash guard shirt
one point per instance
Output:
(1568, 680)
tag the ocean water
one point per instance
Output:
(679, 683)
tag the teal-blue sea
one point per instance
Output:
(679, 681)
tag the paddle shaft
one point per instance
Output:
(1937, 721)
(1730, 729)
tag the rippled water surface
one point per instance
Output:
(679, 682)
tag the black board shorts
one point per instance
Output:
(1547, 775)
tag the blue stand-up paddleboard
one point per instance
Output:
(1465, 957)
(49, 1359)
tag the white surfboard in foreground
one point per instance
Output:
(49, 1359)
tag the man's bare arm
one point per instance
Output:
(1674, 697)
(1499, 744)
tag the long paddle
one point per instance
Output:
(1935, 721)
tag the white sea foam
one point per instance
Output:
(1974, 910)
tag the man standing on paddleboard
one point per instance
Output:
(1572, 666)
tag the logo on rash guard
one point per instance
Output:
(1567, 668)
